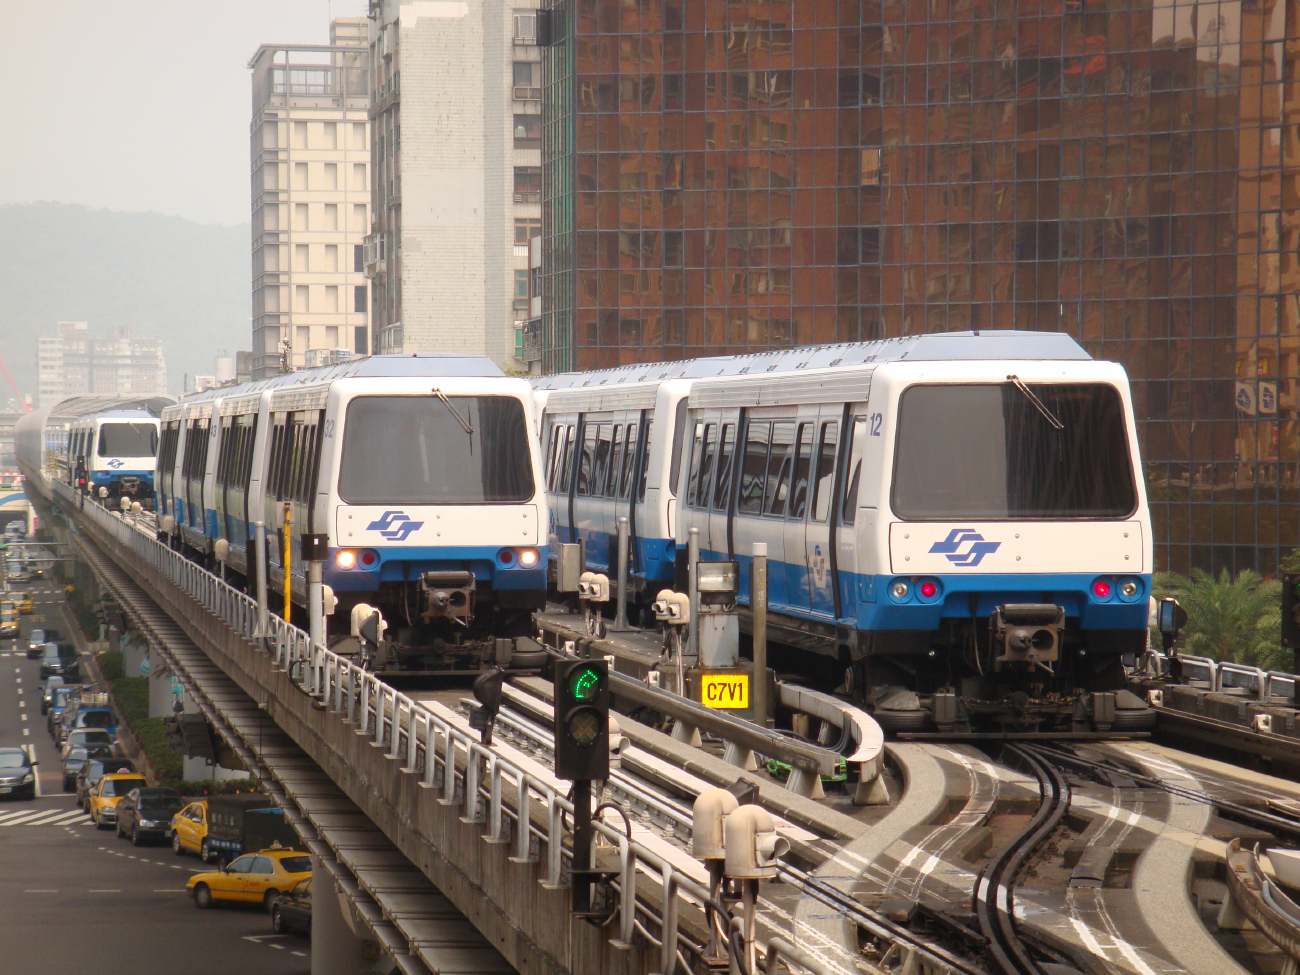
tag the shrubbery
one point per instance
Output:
(131, 694)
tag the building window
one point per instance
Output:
(359, 299)
(525, 26)
(528, 131)
(521, 285)
(358, 258)
(528, 184)
(360, 340)
(526, 228)
(527, 81)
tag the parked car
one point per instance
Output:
(77, 757)
(92, 712)
(190, 831)
(251, 878)
(24, 602)
(17, 774)
(146, 814)
(94, 770)
(86, 736)
(292, 912)
(35, 643)
(61, 659)
(245, 822)
(47, 691)
(107, 793)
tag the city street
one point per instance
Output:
(78, 899)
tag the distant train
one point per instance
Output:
(421, 471)
(956, 524)
(103, 447)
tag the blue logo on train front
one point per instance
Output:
(396, 526)
(115, 463)
(952, 547)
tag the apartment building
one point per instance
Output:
(456, 183)
(725, 176)
(73, 362)
(310, 148)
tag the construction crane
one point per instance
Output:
(22, 403)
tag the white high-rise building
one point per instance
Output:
(456, 185)
(311, 198)
(73, 362)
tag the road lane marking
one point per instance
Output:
(45, 819)
(104, 890)
(40, 890)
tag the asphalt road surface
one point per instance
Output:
(77, 900)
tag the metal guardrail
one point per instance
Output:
(431, 746)
(1220, 676)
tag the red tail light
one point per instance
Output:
(1101, 589)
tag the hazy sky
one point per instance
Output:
(140, 104)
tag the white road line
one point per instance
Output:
(46, 819)
(70, 817)
(40, 890)
(299, 954)
(26, 732)
(105, 890)
(23, 817)
(277, 947)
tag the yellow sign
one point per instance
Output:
(725, 690)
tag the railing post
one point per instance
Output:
(554, 841)
(262, 611)
(524, 822)
(449, 770)
(380, 694)
(430, 754)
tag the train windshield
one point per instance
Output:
(1012, 451)
(436, 450)
(128, 440)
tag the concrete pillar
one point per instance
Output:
(134, 652)
(340, 943)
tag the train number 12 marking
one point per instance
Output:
(877, 419)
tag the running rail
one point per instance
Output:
(495, 789)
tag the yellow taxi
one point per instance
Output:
(103, 798)
(8, 618)
(23, 600)
(190, 830)
(251, 879)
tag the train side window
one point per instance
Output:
(615, 462)
(675, 458)
(586, 459)
(706, 467)
(629, 458)
(273, 463)
(600, 466)
(566, 466)
(643, 475)
(802, 463)
(856, 447)
(697, 442)
(553, 454)
(776, 488)
(753, 470)
(825, 483)
(722, 484)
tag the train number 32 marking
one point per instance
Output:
(725, 690)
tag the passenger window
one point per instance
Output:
(566, 466)
(706, 467)
(776, 490)
(688, 496)
(629, 459)
(601, 465)
(675, 458)
(261, 865)
(825, 483)
(753, 470)
(856, 446)
(587, 459)
(615, 462)
(722, 484)
(802, 462)
(240, 865)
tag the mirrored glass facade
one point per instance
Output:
(722, 177)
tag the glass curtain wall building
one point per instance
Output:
(722, 177)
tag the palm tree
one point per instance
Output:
(1234, 619)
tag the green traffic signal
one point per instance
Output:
(585, 683)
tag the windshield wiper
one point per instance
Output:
(1048, 415)
(456, 413)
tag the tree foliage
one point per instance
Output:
(1236, 619)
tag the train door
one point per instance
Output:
(717, 503)
(821, 498)
(846, 549)
(692, 503)
(602, 532)
(763, 496)
(224, 456)
(798, 594)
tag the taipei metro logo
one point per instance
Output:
(115, 463)
(396, 526)
(952, 547)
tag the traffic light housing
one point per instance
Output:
(582, 719)
(1291, 610)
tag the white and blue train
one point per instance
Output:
(421, 471)
(955, 523)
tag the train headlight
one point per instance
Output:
(1129, 588)
(346, 559)
(900, 590)
(1101, 589)
(529, 557)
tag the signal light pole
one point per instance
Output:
(581, 694)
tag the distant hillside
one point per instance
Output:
(183, 282)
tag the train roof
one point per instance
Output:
(935, 346)
(392, 366)
(75, 407)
